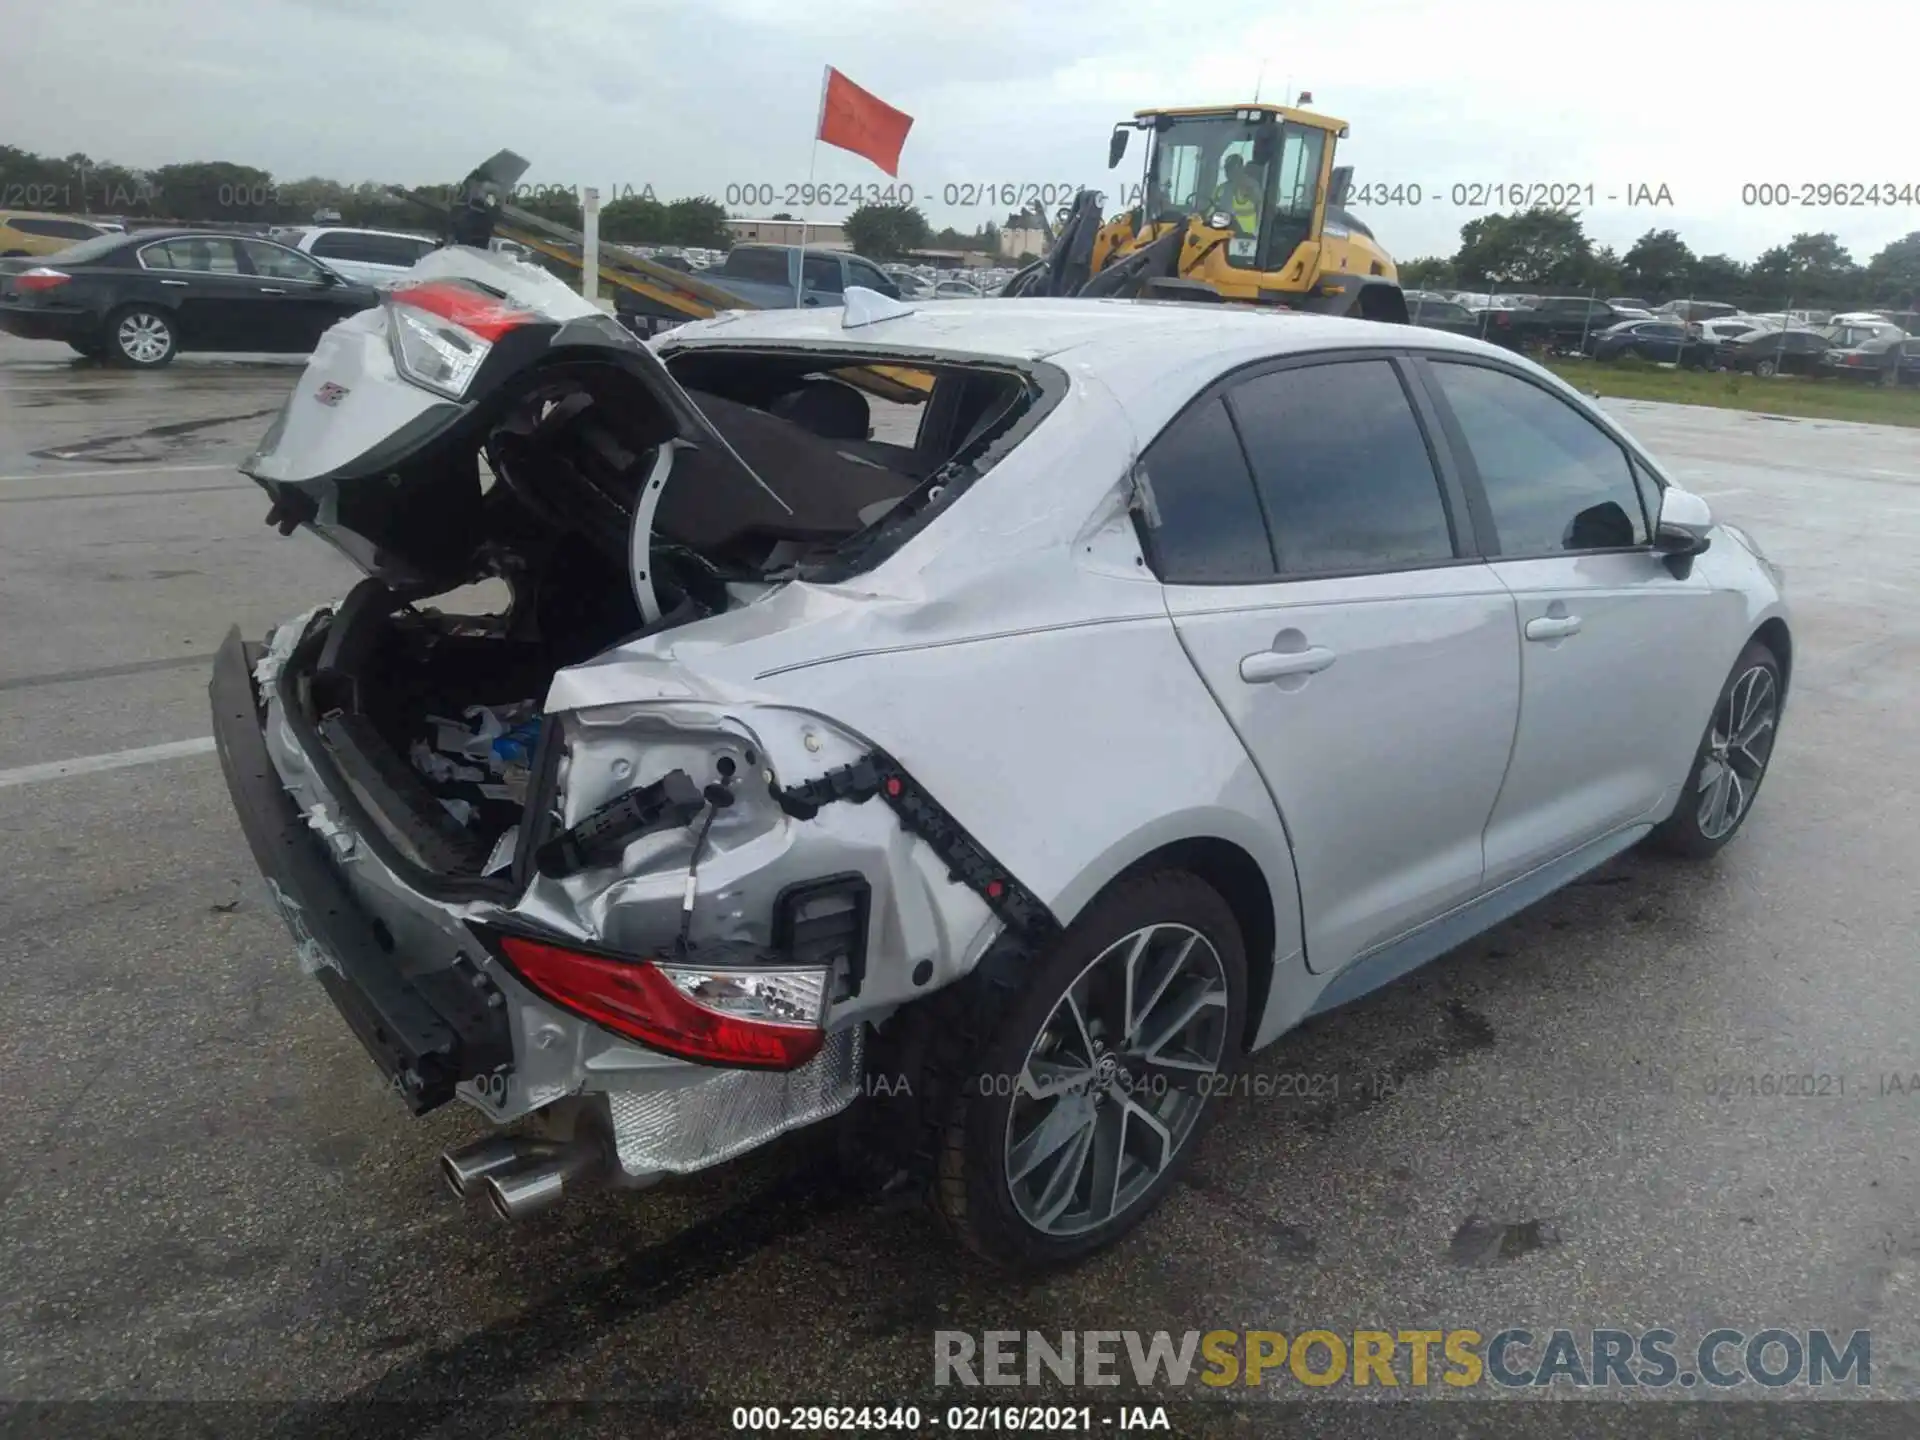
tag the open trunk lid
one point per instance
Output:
(375, 448)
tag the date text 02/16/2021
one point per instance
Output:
(954, 1419)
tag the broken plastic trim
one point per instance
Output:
(967, 860)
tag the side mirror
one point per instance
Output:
(1339, 186)
(1117, 145)
(1681, 531)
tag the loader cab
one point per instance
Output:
(1258, 173)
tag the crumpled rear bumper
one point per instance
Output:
(470, 1030)
(426, 1034)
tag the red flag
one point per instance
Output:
(854, 120)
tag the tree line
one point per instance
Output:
(222, 192)
(1534, 250)
(1546, 250)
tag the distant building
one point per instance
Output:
(1023, 239)
(950, 259)
(821, 233)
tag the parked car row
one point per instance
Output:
(1875, 351)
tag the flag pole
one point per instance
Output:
(806, 196)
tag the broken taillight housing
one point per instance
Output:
(41, 277)
(766, 1019)
(442, 330)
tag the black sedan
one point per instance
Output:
(1438, 313)
(141, 299)
(1649, 339)
(1775, 352)
(1878, 361)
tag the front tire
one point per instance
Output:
(1089, 1091)
(142, 337)
(1765, 369)
(1731, 761)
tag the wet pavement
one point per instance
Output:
(208, 1194)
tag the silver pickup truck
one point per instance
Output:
(768, 275)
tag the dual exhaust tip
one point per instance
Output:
(521, 1176)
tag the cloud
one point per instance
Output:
(707, 96)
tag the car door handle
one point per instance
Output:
(1553, 627)
(1264, 665)
(271, 290)
(173, 282)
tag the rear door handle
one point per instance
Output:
(271, 290)
(1553, 627)
(173, 282)
(1264, 665)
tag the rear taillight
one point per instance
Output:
(441, 331)
(41, 277)
(768, 1019)
(1503, 318)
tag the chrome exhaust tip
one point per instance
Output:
(465, 1167)
(521, 1191)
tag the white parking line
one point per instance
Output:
(115, 760)
(113, 470)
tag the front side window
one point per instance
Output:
(1554, 480)
(1342, 469)
(1261, 178)
(276, 262)
(769, 265)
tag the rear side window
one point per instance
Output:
(57, 229)
(208, 254)
(369, 249)
(1210, 531)
(1555, 481)
(336, 245)
(758, 265)
(1342, 469)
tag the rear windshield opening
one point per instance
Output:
(846, 463)
(864, 455)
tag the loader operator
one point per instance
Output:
(1239, 195)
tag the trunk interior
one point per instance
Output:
(432, 724)
(431, 721)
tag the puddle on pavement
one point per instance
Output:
(1480, 1242)
(156, 442)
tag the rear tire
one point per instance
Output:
(141, 337)
(1765, 369)
(1727, 771)
(1077, 1107)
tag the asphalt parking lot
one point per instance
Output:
(209, 1195)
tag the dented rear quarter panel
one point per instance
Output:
(1018, 659)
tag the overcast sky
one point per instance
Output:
(695, 96)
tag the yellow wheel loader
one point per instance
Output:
(1236, 203)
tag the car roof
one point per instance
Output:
(359, 230)
(8, 215)
(1152, 355)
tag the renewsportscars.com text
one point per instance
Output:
(1412, 1359)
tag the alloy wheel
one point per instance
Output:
(1739, 740)
(144, 338)
(1116, 1079)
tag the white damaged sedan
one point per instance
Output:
(993, 720)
